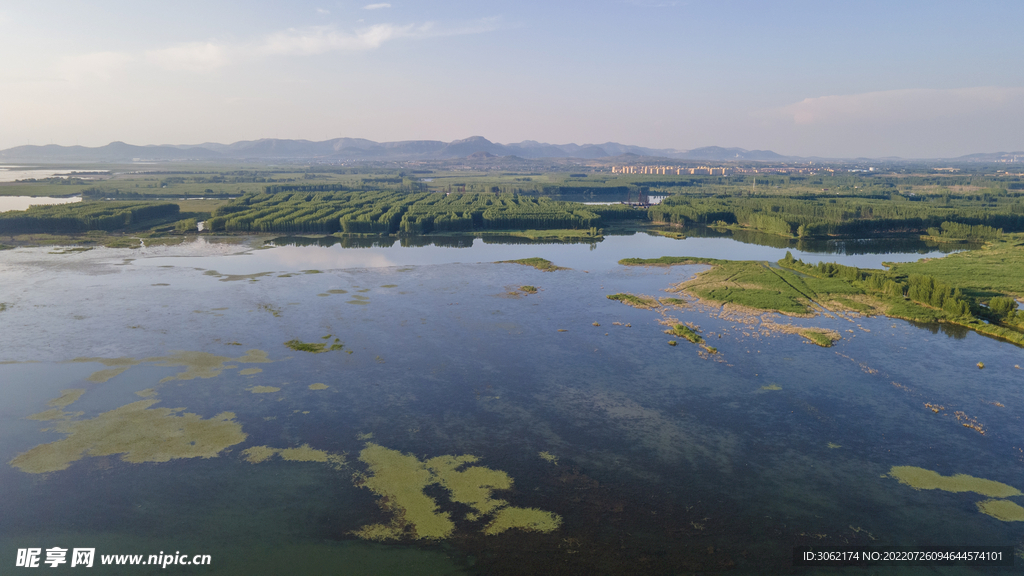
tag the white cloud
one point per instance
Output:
(376, 6)
(320, 39)
(902, 105)
(101, 65)
(191, 56)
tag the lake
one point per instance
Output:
(413, 410)
(23, 202)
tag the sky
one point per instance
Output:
(825, 78)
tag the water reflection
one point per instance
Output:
(8, 203)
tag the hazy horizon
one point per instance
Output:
(915, 80)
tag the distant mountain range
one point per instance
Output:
(342, 149)
(356, 149)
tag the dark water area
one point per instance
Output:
(655, 459)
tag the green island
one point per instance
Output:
(643, 302)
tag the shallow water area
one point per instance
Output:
(408, 434)
(23, 202)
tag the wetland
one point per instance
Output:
(202, 396)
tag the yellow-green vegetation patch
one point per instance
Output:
(137, 432)
(526, 519)
(685, 332)
(148, 392)
(250, 371)
(642, 302)
(772, 386)
(315, 347)
(66, 398)
(304, 453)
(670, 234)
(275, 311)
(677, 302)
(833, 445)
(1002, 510)
(528, 289)
(337, 291)
(400, 479)
(538, 263)
(263, 389)
(820, 337)
(119, 366)
(549, 457)
(922, 479)
(389, 286)
(203, 364)
(318, 386)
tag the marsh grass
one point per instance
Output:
(528, 289)
(642, 302)
(685, 332)
(538, 263)
(315, 347)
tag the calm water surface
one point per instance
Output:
(657, 459)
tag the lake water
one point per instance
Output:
(197, 430)
(23, 202)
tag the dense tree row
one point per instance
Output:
(387, 212)
(823, 216)
(82, 217)
(966, 231)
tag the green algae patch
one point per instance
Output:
(400, 479)
(119, 365)
(528, 289)
(337, 291)
(250, 371)
(549, 457)
(526, 519)
(318, 386)
(197, 365)
(315, 347)
(922, 479)
(304, 453)
(66, 398)
(148, 392)
(203, 364)
(1002, 510)
(642, 302)
(263, 389)
(138, 433)
(538, 263)
(771, 387)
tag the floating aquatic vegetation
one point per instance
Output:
(119, 366)
(1002, 510)
(304, 453)
(538, 263)
(337, 291)
(528, 289)
(400, 480)
(549, 457)
(318, 386)
(922, 479)
(146, 393)
(137, 432)
(203, 364)
(250, 371)
(315, 347)
(263, 389)
(772, 386)
(528, 519)
(66, 398)
(833, 445)
(641, 301)
(389, 286)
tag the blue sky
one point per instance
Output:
(840, 79)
